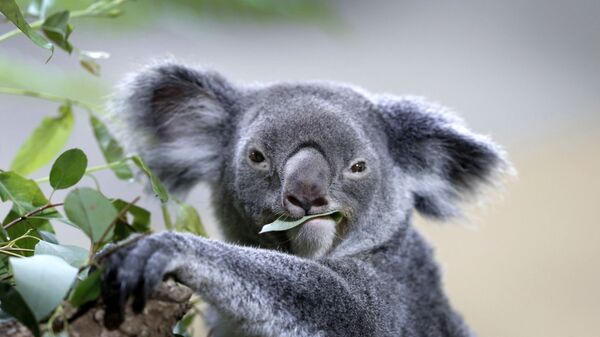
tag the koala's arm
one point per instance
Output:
(262, 291)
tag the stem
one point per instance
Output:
(34, 212)
(38, 24)
(166, 217)
(46, 96)
(6, 252)
(112, 224)
(92, 169)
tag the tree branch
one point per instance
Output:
(169, 303)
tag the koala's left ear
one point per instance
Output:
(446, 162)
(179, 120)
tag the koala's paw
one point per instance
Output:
(135, 270)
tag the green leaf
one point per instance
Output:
(43, 281)
(23, 227)
(90, 211)
(90, 65)
(111, 149)
(157, 186)
(188, 220)
(124, 227)
(87, 59)
(45, 143)
(12, 12)
(26, 196)
(24, 193)
(182, 327)
(48, 236)
(14, 304)
(87, 289)
(73, 255)
(57, 29)
(283, 224)
(68, 169)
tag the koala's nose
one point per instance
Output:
(306, 181)
(306, 201)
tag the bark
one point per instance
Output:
(167, 305)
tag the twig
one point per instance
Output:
(32, 213)
(112, 224)
(109, 250)
(46, 96)
(92, 169)
(91, 11)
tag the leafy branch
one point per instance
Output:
(9, 248)
(97, 9)
(30, 214)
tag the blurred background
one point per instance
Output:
(527, 73)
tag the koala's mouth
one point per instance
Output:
(311, 236)
(285, 223)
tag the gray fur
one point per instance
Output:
(373, 275)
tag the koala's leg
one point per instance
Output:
(264, 292)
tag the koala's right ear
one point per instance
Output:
(178, 119)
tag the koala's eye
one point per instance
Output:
(358, 167)
(256, 156)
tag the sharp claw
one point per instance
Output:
(113, 316)
(139, 298)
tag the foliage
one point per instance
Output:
(39, 276)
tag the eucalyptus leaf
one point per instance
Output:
(87, 289)
(73, 255)
(157, 186)
(110, 147)
(24, 193)
(90, 211)
(13, 303)
(45, 142)
(30, 226)
(43, 281)
(90, 65)
(182, 327)
(57, 29)
(283, 224)
(48, 236)
(26, 196)
(125, 227)
(188, 220)
(68, 169)
(12, 12)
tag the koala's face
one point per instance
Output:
(299, 154)
(304, 148)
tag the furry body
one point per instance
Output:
(376, 277)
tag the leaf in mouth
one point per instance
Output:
(284, 223)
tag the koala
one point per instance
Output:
(294, 149)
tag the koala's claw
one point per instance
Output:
(133, 271)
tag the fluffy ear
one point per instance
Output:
(178, 119)
(446, 162)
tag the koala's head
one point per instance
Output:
(304, 148)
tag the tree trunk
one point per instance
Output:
(167, 305)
